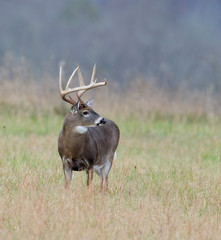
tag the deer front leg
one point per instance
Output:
(89, 176)
(67, 174)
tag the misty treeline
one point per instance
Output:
(171, 42)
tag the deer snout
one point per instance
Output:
(101, 122)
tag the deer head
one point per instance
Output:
(84, 116)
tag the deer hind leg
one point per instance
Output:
(68, 176)
(89, 174)
(105, 171)
(67, 172)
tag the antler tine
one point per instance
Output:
(92, 82)
(80, 78)
(81, 89)
(63, 93)
(71, 77)
(81, 83)
(93, 74)
(60, 73)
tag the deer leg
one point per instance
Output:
(99, 173)
(104, 184)
(105, 171)
(67, 175)
(89, 176)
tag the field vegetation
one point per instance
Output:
(164, 184)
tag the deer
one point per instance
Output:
(87, 141)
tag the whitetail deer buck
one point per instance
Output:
(87, 141)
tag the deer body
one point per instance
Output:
(87, 142)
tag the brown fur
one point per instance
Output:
(83, 151)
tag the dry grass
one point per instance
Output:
(164, 184)
(20, 87)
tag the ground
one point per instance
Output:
(164, 184)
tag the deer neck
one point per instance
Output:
(75, 131)
(74, 136)
(74, 127)
(80, 129)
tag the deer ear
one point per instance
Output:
(75, 107)
(90, 102)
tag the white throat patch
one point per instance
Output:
(81, 129)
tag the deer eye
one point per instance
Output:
(85, 113)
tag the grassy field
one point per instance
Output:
(164, 184)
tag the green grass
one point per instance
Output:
(164, 184)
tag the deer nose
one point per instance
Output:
(103, 121)
(100, 121)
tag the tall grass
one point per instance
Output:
(164, 184)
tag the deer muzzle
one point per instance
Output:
(101, 122)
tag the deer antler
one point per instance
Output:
(82, 89)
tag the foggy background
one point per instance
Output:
(171, 42)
